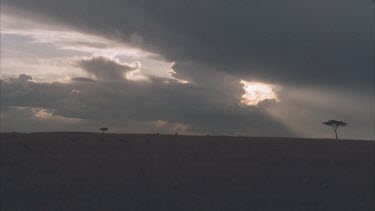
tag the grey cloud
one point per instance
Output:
(104, 69)
(126, 101)
(82, 79)
(24, 77)
(287, 42)
(22, 119)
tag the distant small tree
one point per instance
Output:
(334, 124)
(103, 129)
(14, 134)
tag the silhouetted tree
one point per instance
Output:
(334, 124)
(103, 129)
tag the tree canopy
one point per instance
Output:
(335, 124)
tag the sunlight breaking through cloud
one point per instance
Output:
(255, 92)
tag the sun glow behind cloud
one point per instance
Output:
(256, 92)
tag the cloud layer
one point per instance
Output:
(182, 106)
(303, 42)
(320, 54)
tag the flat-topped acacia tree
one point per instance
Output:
(103, 129)
(335, 124)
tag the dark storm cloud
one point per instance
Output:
(82, 79)
(24, 78)
(287, 42)
(144, 102)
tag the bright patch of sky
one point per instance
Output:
(256, 92)
(48, 53)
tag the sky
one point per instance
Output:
(247, 68)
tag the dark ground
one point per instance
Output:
(79, 171)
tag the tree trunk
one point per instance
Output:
(335, 133)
